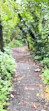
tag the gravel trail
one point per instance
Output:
(28, 89)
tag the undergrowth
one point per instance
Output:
(45, 70)
(15, 43)
(44, 66)
(46, 75)
(7, 68)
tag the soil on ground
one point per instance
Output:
(28, 90)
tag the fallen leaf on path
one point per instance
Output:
(37, 70)
(12, 96)
(18, 81)
(47, 89)
(24, 103)
(28, 88)
(35, 105)
(20, 78)
(47, 93)
(47, 96)
(42, 79)
(37, 95)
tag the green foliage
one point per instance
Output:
(35, 14)
(7, 68)
(37, 58)
(10, 21)
(45, 62)
(46, 75)
(15, 43)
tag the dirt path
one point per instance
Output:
(28, 93)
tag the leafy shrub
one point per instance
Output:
(7, 68)
(46, 61)
(7, 50)
(37, 58)
(15, 43)
(46, 75)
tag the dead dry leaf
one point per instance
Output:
(37, 95)
(28, 88)
(37, 70)
(24, 102)
(35, 105)
(12, 95)
(47, 93)
(20, 78)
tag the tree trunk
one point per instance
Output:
(28, 29)
(1, 38)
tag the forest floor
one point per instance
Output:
(28, 90)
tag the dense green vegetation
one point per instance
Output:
(7, 68)
(27, 22)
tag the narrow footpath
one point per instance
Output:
(28, 89)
